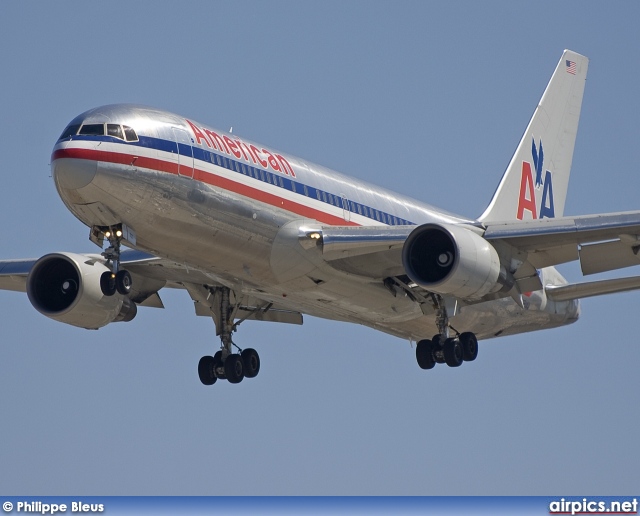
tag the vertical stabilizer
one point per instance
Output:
(535, 183)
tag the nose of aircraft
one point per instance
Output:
(73, 173)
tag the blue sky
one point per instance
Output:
(425, 98)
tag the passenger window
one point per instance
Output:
(130, 134)
(71, 130)
(115, 130)
(92, 129)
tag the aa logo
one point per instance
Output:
(527, 200)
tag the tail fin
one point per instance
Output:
(536, 180)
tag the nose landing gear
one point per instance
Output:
(118, 280)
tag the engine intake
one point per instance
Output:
(451, 260)
(66, 287)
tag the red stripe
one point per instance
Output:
(204, 177)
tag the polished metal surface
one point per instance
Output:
(253, 245)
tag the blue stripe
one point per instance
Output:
(258, 173)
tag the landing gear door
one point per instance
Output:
(185, 152)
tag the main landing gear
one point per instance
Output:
(443, 349)
(117, 280)
(225, 364)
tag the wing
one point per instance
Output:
(150, 274)
(600, 242)
(13, 274)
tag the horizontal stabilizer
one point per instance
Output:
(592, 288)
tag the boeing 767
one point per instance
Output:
(255, 234)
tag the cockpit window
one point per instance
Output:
(71, 130)
(115, 130)
(122, 132)
(130, 134)
(92, 129)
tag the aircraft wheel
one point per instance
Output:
(469, 346)
(424, 354)
(438, 342)
(233, 368)
(107, 284)
(453, 352)
(123, 282)
(217, 365)
(251, 363)
(206, 370)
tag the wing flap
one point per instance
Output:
(206, 302)
(608, 256)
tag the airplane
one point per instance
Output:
(255, 234)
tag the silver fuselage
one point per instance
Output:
(232, 209)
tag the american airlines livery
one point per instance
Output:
(254, 234)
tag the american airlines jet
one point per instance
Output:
(254, 234)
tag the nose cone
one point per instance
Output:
(73, 173)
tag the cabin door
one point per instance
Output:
(185, 152)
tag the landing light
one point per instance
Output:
(315, 235)
(118, 233)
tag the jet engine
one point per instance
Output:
(66, 287)
(452, 260)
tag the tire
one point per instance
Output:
(107, 284)
(424, 354)
(123, 282)
(469, 346)
(453, 354)
(217, 363)
(206, 372)
(438, 341)
(251, 363)
(234, 368)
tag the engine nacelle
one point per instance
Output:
(451, 260)
(66, 287)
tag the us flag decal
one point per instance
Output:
(571, 67)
